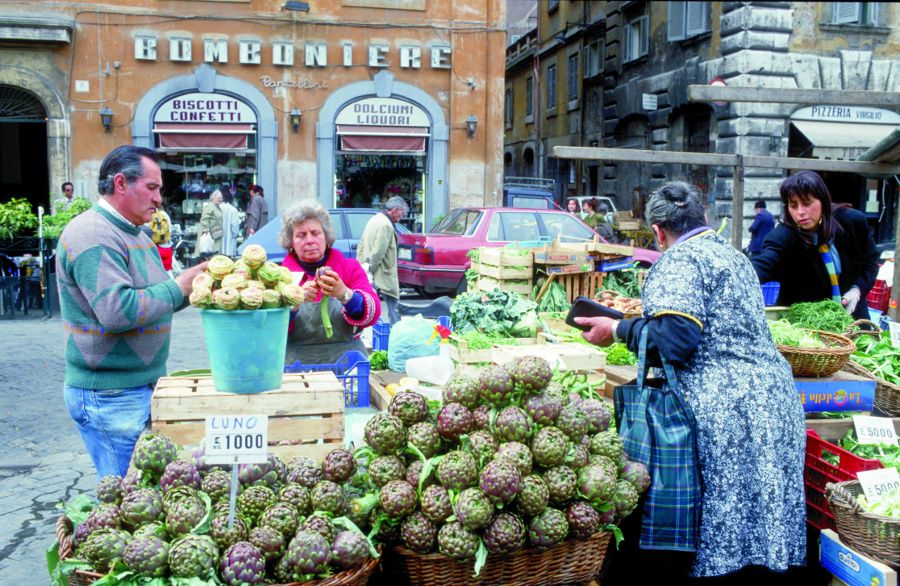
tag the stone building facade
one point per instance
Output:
(655, 50)
(346, 101)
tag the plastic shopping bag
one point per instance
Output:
(207, 244)
(410, 339)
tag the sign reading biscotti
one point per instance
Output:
(205, 108)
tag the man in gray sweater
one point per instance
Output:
(257, 211)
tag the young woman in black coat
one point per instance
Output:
(816, 239)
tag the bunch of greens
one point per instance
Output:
(16, 217)
(554, 298)
(826, 315)
(476, 340)
(888, 454)
(887, 504)
(378, 360)
(619, 354)
(878, 356)
(786, 334)
(624, 281)
(54, 224)
(501, 312)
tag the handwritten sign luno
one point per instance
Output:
(236, 439)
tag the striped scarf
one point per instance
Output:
(828, 259)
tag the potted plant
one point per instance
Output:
(16, 217)
(54, 223)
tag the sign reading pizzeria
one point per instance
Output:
(383, 112)
(205, 108)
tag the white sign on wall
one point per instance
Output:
(205, 108)
(859, 114)
(382, 112)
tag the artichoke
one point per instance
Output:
(481, 416)
(147, 555)
(220, 266)
(338, 466)
(109, 490)
(269, 541)
(425, 437)
(626, 498)
(513, 424)
(157, 529)
(385, 433)
(457, 542)
(304, 471)
(418, 533)
(398, 499)
(104, 515)
(500, 480)
(383, 469)
(560, 482)
(350, 550)
(505, 534)
(534, 496)
(152, 453)
(243, 564)
(140, 507)
(549, 447)
(184, 515)
(234, 281)
(217, 484)
(495, 385)
(193, 556)
(637, 474)
(531, 374)
(269, 273)
(410, 407)
(227, 298)
(596, 485)
(328, 496)
(473, 509)
(224, 536)
(583, 519)
(457, 470)
(251, 298)
(254, 256)
(297, 495)
(256, 499)
(609, 444)
(454, 420)
(543, 408)
(104, 547)
(598, 415)
(203, 281)
(308, 553)
(282, 517)
(517, 453)
(435, 504)
(548, 528)
(292, 295)
(179, 473)
(482, 445)
(320, 524)
(573, 422)
(271, 299)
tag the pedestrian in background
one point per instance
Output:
(231, 223)
(116, 302)
(161, 234)
(68, 191)
(257, 211)
(762, 224)
(378, 252)
(573, 207)
(210, 223)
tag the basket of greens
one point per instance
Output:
(876, 358)
(811, 352)
(870, 526)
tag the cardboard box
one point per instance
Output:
(850, 566)
(840, 392)
(615, 264)
(587, 267)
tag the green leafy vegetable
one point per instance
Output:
(378, 360)
(624, 281)
(502, 312)
(554, 298)
(786, 334)
(619, 354)
(878, 356)
(825, 315)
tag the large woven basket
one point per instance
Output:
(574, 561)
(887, 394)
(819, 361)
(355, 577)
(874, 535)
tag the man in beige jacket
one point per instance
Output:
(378, 252)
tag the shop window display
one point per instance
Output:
(368, 180)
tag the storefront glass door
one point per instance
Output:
(368, 180)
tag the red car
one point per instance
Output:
(437, 262)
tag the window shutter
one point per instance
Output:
(870, 13)
(676, 21)
(645, 35)
(845, 12)
(627, 46)
(696, 17)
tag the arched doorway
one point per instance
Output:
(24, 168)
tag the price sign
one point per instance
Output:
(875, 430)
(237, 439)
(895, 333)
(877, 483)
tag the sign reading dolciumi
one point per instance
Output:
(205, 108)
(382, 112)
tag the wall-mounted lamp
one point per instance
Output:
(471, 124)
(294, 6)
(106, 118)
(295, 119)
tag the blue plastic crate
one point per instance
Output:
(352, 369)
(381, 333)
(770, 292)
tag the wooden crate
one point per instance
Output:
(506, 269)
(306, 415)
(489, 284)
(586, 284)
(628, 225)
(462, 354)
(566, 356)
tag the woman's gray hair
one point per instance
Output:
(308, 209)
(677, 207)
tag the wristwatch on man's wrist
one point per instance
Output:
(347, 296)
(615, 335)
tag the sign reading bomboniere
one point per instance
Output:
(205, 108)
(382, 112)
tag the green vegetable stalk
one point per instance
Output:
(323, 306)
(825, 315)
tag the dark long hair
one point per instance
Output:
(577, 205)
(806, 184)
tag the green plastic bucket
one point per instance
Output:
(246, 348)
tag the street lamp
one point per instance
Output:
(106, 118)
(295, 119)
(471, 124)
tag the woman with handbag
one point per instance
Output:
(704, 320)
(211, 225)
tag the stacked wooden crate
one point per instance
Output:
(508, 269)
(306, 415)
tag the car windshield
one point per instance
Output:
(459, 222)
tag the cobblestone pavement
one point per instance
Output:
(42, 459)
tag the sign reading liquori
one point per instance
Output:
(382, 112)
(236, 439)
(205, 108)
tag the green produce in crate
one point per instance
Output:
(887, 504)
(624, 281)
(877, 355)
(618, 354)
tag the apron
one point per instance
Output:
(307, 342)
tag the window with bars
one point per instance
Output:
(508, 108)
(529, 97)
(636, 42)
(593, 59)
(551, 87)
(859, 13)
(572, 78)
(687, 19)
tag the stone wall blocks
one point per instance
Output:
(659, 170)
(771, 41)
(757, 18)
(855, 69)
(879, 73)
(893, 78)
(659, 83)
(660, 136)
(806, 70)
(830, 68)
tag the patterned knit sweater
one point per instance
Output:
(116, 301)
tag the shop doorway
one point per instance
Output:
(367, 180)
(24, 166)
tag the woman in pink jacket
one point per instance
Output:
(327, 276)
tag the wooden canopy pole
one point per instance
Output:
(737, 202)
(810, 97)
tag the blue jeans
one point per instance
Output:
(393, 313)
(110, 421)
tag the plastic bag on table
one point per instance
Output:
(410, 339)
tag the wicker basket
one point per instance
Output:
(887, 394)
(874, 535)
(574, 561)
(355, 577)
(819, 361)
